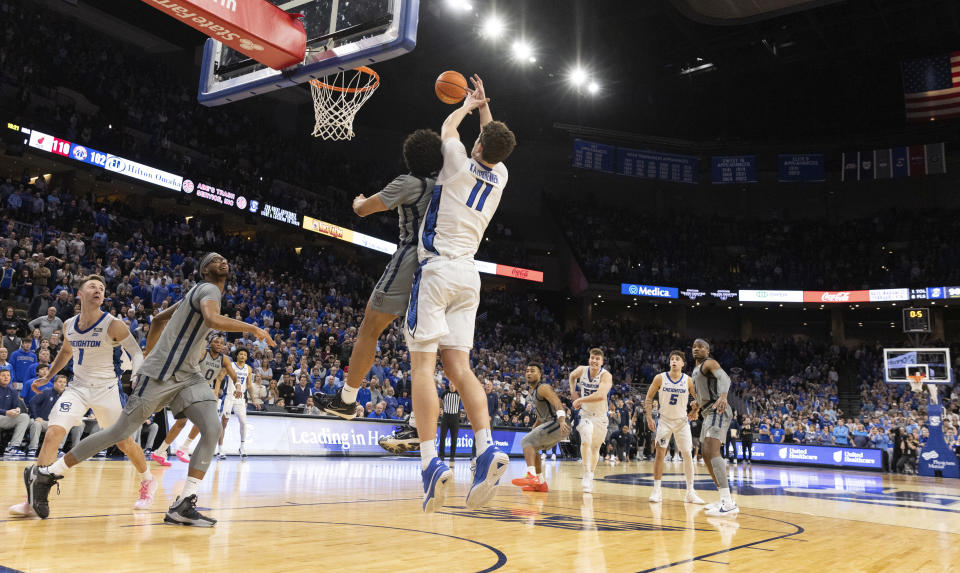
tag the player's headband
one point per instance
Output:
(207, 259)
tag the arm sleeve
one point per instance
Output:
(723, 381)
(130, 346)
(454, 156)
(403, 189)
(34, 323)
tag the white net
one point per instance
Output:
(916, 382)
(337, 98)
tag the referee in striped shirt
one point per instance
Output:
(450, 421)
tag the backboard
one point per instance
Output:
(341, 35)
(934, 363)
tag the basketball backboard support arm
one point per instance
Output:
(255, 28)
(340, 36)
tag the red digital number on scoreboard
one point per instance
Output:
(61, 147)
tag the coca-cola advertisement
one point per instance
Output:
(834, 297)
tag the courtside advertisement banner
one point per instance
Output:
(292, 435)
(815, 455)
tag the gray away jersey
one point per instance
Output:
(706, 387)
(542, 407)
(184, 339)
(410, 196)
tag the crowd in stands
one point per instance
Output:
(313, 303)
(619, 244)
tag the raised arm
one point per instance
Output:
(364, 206)
(486, 116)
(213, 319)
(470, 103)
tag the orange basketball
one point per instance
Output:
(451, 87)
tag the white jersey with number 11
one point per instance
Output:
(464, 200)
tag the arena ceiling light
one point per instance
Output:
(493, 27)
(459, 5)
(522, 51)
(593, 88)
(578, 76)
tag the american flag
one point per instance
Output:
(931, 87)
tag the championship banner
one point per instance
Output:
(659, 166)
(595, 156)
(734, 169)
(801, 167)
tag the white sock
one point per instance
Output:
(348, 394)
(656, 483)
(191, 487)
(185, 447)
(145, 475)
(58, 467)
(483, 440)
(725, 495)
(163, 449)
(428, 451)
(532, 470)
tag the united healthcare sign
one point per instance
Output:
(815, 455)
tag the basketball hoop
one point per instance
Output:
(338, 98)
(916, 382)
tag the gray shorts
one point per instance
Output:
(545, 436)
(177, 392)
(391, 295)
(716, 424)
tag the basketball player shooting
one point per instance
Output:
(712, 385)
(446, 293)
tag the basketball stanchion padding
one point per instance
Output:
(338, 98)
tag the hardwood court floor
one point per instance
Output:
(363, 514)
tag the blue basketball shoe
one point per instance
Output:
(437, 479)
(491, 465)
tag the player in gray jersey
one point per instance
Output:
(170, 376)
(410, 195)
(550, 428)
(712, 384)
